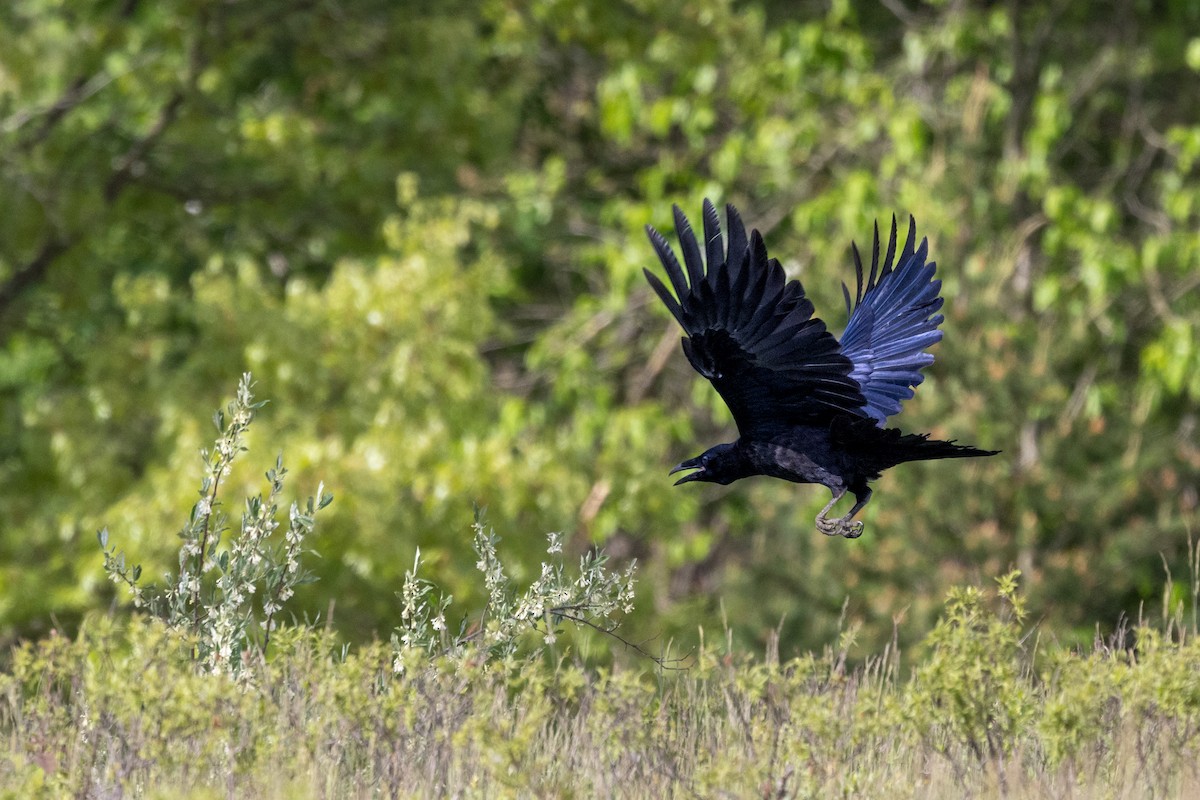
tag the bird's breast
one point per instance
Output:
(793, 461)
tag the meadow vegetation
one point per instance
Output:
(422, 230)
(990, 709)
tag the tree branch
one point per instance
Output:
(80, 89)
(123, 175)
(120, 179)
(33, 271)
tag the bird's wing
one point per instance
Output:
(893, 321)
(750, 331)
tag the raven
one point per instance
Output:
(808, 409)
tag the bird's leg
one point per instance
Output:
(853, 530)
(827, 526)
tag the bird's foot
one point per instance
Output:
(852, 530)
(840, 527)
(829, 527)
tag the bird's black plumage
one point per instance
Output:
(808, 408)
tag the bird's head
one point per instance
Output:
(722, 464)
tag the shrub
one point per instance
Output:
(594, 597)
(228, 599)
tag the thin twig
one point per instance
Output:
(661, 661)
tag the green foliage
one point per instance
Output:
(423, 228)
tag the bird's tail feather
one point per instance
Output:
(919, 447)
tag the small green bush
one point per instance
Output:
(971, 688)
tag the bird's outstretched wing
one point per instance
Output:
(894, 319)
(750, 331)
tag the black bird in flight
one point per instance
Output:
(809, 409)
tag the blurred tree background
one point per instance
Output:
(420, 226)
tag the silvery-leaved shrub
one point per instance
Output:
(228, 598)
(592, 596)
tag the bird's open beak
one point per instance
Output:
(691, 463)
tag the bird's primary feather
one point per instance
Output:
(750, 331)
(753, 333)
(893, 321)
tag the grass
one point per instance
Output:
(123, 710)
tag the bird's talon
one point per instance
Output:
(853, 530)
